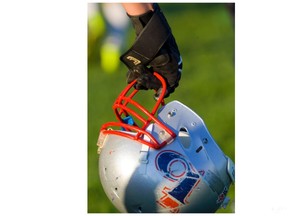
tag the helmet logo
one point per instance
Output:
(135, 60)
(177, 169)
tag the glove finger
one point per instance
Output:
(140, 86)
(169, 90)
(148, 80)
(159, 92)
(132, 75)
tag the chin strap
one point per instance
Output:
(149, 41)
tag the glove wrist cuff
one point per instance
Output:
(149, 41)
(140, 21)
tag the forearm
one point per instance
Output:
(135, 9)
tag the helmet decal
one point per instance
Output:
(222, 196)
(177, 169)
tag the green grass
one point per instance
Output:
(205, 36)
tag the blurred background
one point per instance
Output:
(206, 39)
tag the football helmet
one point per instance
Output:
(163, 160)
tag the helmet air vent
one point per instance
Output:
(184, 137)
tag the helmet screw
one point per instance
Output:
(172, 113)
(205, 140)
(162, 134)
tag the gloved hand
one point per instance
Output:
(145, 78)
(164, 59)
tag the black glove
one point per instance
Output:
(155, 49)
(145, 78)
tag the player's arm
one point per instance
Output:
(154, 49)
(134, 9)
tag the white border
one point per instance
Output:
(43, 107)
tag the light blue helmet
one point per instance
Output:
(166, 162)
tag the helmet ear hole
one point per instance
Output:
(184, 137)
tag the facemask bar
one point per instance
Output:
(125, 115)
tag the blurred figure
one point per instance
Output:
(108, 20)
(96, 24)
